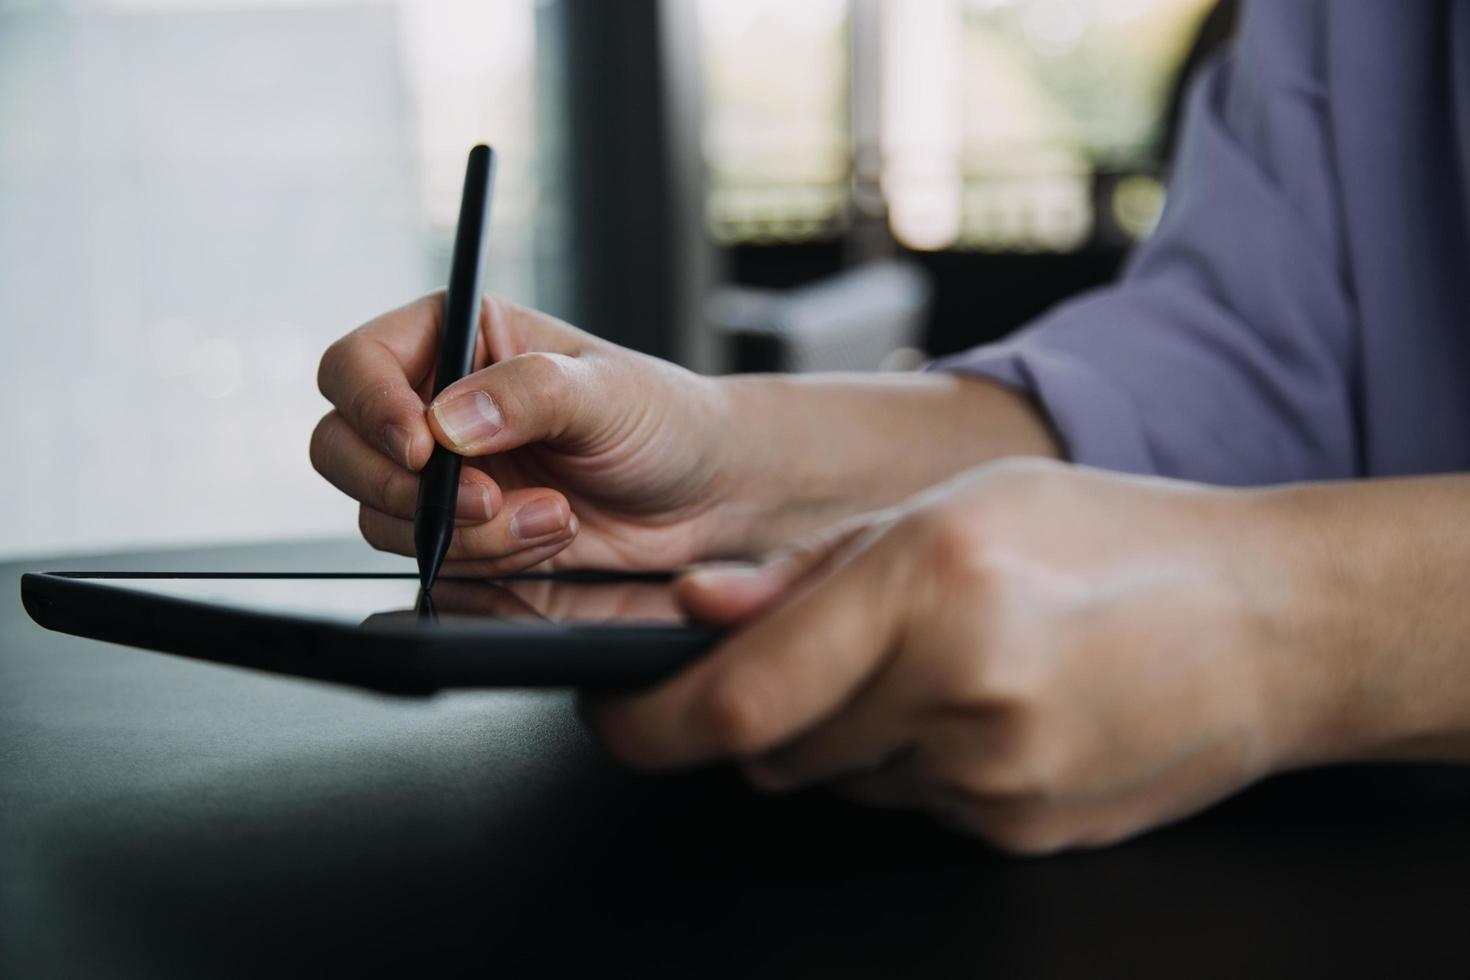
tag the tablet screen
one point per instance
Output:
(387, 599)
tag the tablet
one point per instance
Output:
(575, 629)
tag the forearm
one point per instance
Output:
(807, 450)
(1377, 661)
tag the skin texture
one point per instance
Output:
(1039, 654)
(1044, 656)
(581, 436)
(1051, 657)
(650, 465)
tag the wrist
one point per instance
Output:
(768, 486)
(799, 452)
(1291, 641)
(1342, 659)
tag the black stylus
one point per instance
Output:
(433, 515)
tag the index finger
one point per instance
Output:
(373, 374)
(773, 680)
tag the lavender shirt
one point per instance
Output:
(1303, 310)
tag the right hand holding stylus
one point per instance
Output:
(576, 449)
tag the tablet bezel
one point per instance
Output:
(388, 657)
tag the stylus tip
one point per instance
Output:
(428, 571)
(431, 543)
(426, 611)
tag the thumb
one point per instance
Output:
(729, 592)
(535, 397)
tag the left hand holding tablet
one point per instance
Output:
(1045, 656)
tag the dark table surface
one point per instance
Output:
(160, 816)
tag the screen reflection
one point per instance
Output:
(367, 599)
(539, 599)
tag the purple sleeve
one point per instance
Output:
(1226, 352)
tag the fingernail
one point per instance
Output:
(469, 419)
(538, 519)
(399, 444)
(475, 502)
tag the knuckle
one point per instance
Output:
(959, 550)
(333, 364)
(495, 311)
(550, 373)
(366, 526)
(1008, 685)
(552, 379)
(320, 445)
(360, 406)
(389, 492)
(485, 543)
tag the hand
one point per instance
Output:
(576, 449)
(584, 454)
(1045, 656)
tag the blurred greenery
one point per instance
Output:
(1093, 74)
(1047, 93)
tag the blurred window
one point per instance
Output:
(775, 129)
(1002, 121)
(196, 197)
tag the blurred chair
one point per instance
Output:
(868, 318)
